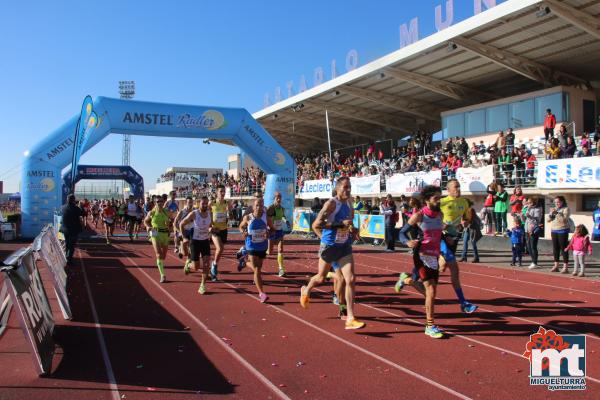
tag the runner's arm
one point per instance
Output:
(148, 220)
(412, 221)
(321, 220)
(188, 218)
(244, 225)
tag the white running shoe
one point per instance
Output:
(533, 266)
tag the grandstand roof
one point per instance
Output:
(514, 48)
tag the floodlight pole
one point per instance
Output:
(329, 143)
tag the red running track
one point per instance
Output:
(133, 338)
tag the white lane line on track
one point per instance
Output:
(346, 342)
(503, 278)
(500, 313)
(112, 382)
(421, 323)
(227, 348)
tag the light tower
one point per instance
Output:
(127, 92)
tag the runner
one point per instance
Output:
(95, 213)
(121, 211)
(426, 252)
(334, 226)
(108, 217)
(276, 213)
(200, 246)
(131, 216)
(456, 216)
(173, 208)
(254, 229)
(140, 218)
(157, 225)
(220, 211)
(185, 234)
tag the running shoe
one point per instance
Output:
(533, 266)
(343, 312)
(107, 241)
(304, 299)
(135, 236)
(281, 272)
(241, 265)
(354, 324)
(329, 276)
(163, 279)
(186, 267)
(335, 300)
(202, 289)
(263, 297)
(213, 272)
(468, 308)
(400, 284)
(175, 250)
(434, 332)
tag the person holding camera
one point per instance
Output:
(559, 218)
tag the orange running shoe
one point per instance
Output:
(354, 324)
(304, 299)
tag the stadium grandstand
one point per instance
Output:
(474, 95)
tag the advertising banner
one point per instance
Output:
(46, 244)
(303, 219)
(475, 180)
(569, 173)
(412, 182)
(366, 185)
(29, 296)
(372, 226)
(321, 188)
(5, 307)
(85, 127)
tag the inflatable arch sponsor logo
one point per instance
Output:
(59, 148)
(210, 120)
(45, 185)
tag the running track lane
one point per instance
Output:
(420, 302)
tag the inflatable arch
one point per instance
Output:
(42, 185)
(107, 172)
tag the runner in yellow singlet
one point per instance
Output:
(157, 224)
(455, 216)
(277, 214)
(220, 212)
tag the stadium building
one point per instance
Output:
(500, 69)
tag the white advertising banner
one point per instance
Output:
(412, 182)
(366, 185)
(321, 188)
(569, 173)
(475, 180)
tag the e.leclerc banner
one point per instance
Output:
(411, 183)
(46, 244)
(569, 173)
(28, 294)
(321, 188)
(366, 185)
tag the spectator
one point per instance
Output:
(316, 205)
(553, 150)
(568, 150)
(596, 220)
(472, 234)
(505, 166)
(549, 124)
(510, 140)
(531, 160)
(533, 229)
(488, 208)
(388, 209)
(597, 140)
(562, 135)
(516, 202)
(584, 152)
(500, 141)
(580, 245)
(358, 205)
(500, 209)
(71, 226)
(559, 218)
(516, 240)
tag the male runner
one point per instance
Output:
(200, 246)
(334, 226)
(220, 211)
(173, 208)
(276, 212)
(108, 217)
(185, 234)
(456, 216)
(426, 252)
(131, 216)
(95, 212)
(254, 227)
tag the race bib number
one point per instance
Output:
(278, 224)
(259, 235)
(430, 261)
(200, 234)
(108, 220)
(153, 233)
(342, 234)
(220, 217)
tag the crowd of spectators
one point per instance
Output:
(251, 179)
(10, 207)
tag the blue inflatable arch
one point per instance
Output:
(42, 185)
(106, 172)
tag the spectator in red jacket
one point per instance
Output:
(549, 124)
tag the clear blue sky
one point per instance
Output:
(222, 53)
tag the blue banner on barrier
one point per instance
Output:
(303, 220)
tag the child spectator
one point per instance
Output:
(580, 244)
(516, 235)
